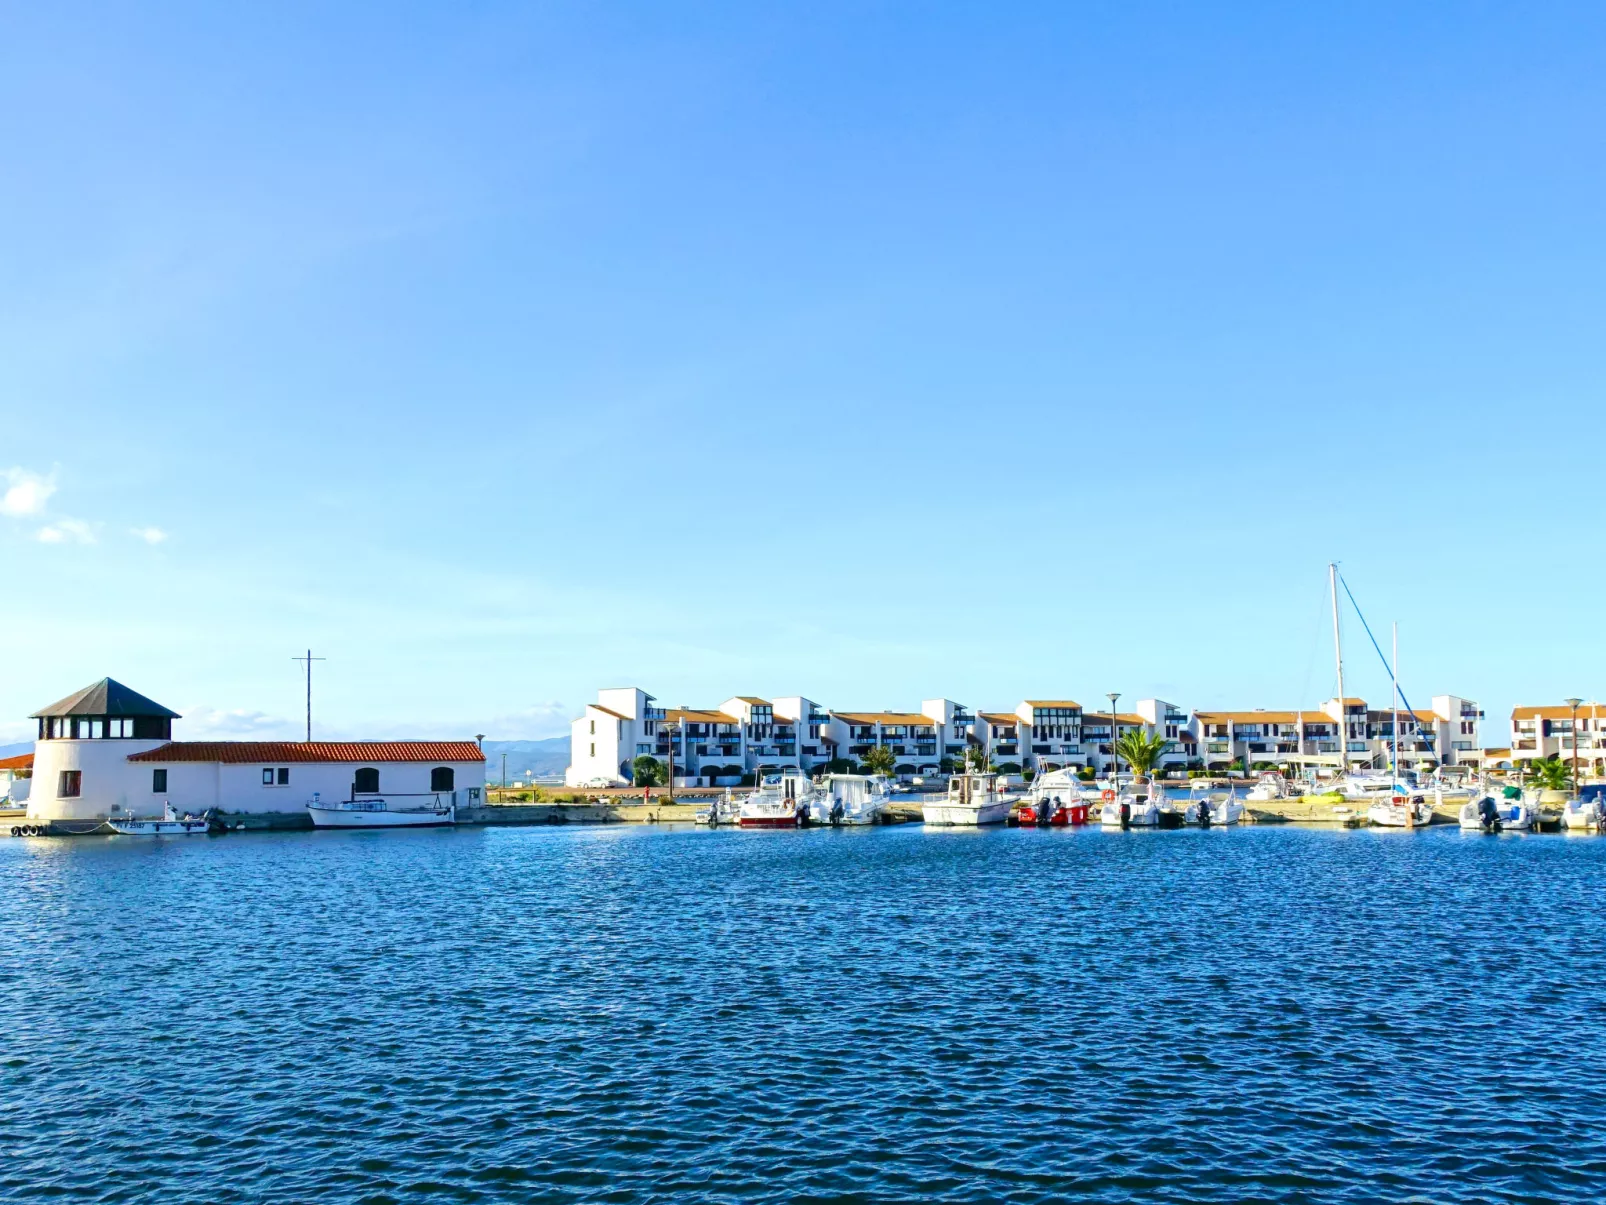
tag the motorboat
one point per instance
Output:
(973, 799)
(1270, 785)
(1056, 799)
(849, 799)
(1400, 810)
(780, 801)
(170, 825)
(1491, 812)
(383, 811)
(1581, 814)
(1126, 809)
(1207, 809)
(724, 810)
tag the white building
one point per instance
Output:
(107, 751)
(1548, 731)
(1447, 734)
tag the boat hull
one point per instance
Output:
(159, 828)
(959, 815)
(768, 822)
(334, 818)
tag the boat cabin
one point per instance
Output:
(963, 788)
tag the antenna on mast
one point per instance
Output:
(309, 659)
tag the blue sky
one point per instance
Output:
(868, 351)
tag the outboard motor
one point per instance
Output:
(1489, 814)
(1044, 807)
(837, 812)
(1204, 813)
(1126, 814)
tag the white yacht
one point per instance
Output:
(1491, 812)
(392, 811)
(170, 825)
(850, 799)
(779, 802)
(972, 799)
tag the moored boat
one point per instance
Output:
(1491, 812)
(1400, 811)
(1581, 815)
(849, 799)
(1125, 809)
(383, 811)
(973, 799)
(170, 825)
(780, 801)
(1208, 809)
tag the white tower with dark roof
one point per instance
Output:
(80, 768)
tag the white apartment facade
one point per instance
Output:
(1549, 731)
(1360, 736)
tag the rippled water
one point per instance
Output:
(636, 1014)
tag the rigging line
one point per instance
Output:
(1375, 645)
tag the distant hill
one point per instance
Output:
(526, 758)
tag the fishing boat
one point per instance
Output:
(1401, 811)
(973, 799)
(849, 799)
(170, 825)
(1491, 812)
(387, 811)
(780, 801)
(1126, 809)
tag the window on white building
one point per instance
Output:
(159, 781)
(70, 785)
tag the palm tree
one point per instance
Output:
(880, 760)
(1551, 775)
(1141, 751)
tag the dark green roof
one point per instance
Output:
(105, 697)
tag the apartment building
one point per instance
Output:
(1548, 731)
(1356, 736)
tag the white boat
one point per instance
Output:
(376, 811)
(849, 799)
(1401, 811)
(1581, 815)
(1127, 810)
(779, 801)
(1492, 812)
(170, 825)
(724, 810)
(1208, 809)
(972, 799)
(1270, 785)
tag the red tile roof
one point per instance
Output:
(23, 761)
(236, 752)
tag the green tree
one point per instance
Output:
(647, 771)
(977, 761)
(1551, 775)
(1141, 751)
(879, 760)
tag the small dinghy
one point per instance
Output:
(721, 811)
(1401, 811)
(170, 825)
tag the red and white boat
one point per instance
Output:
(779, 802)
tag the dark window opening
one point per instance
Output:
(366, 781)
(159, 782)
(70, 784)
(441, 778)
(284, 776)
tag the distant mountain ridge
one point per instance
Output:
(27, 747)
(524, 758)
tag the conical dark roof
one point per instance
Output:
(105, 697)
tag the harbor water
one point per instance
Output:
(645, 1013)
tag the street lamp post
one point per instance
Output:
(1114, 765)
(1575, 704)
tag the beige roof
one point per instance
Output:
(998, 717)
(749, 699)
(695, 715)
(1312, 716)
(1562, 712)
(1052, 703)
(605, 711)
(888, 719)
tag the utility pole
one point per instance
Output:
(309, 659)
(1115, 766)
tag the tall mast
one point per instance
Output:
(1338, 654)
(1394, 673)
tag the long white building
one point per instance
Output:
(108, 751)
(746, 734)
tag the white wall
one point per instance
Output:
(105, 781)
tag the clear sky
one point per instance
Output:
(869, 351)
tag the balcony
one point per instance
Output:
(1009, 750)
